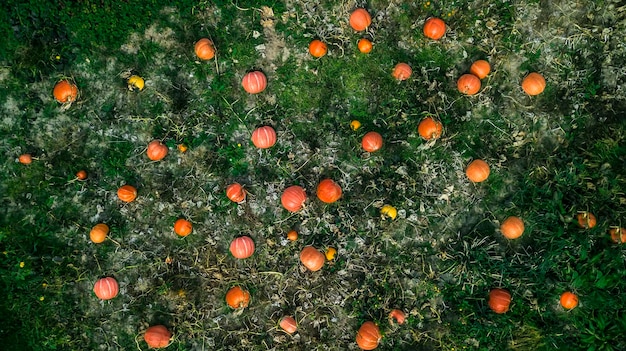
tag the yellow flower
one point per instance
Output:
(22, 264)
(44, 285)
(57, 57)
(41, 298)
(330, 253)
(182, 148)
(355, 124)
(389, 211)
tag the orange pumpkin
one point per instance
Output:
(293, 198)
(368, 336)
(25, 159)
(264, 137)
(586, 220)
(242, 247)
(235, 193)
(360, 19)
(156, 150)
(236, 297)
(254, 82)
(98, 233)
(328, 191)
(499, 300)
(402, 71)
(182, 227)
(204, 49)
(480, 68)
(618, 235)
(396, 315)
(127, 193)
(512, 227)
(312, 258)
(468, 84)
(289, 324)
(157, 336)
(292, 235)
(372, 141)
(365, 46)
(81, 175)
(533, 84)
(429, 128)
(477, 171)
(317, 48)
(434, 28)
(106, 288)
(65, 92)
(569, 300)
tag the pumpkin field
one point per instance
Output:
(313, 175)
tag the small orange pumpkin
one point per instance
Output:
(434, 28)
(429, 128)
(569, 300)
(235, 193)
(254, 82)
(402, 71)
(293, 198)
(289, 324)
(157, 336)
(264, 137)
(372, 141)
(365, 45)
(204, 49)
(512, 227)
(98, 233)
(586, 220)
(618, 235)
(106, 288)
(368, 337)
(25, 159)
(360, 19)
(182, 227)
(236, 297)
(312, 258)
(292, 235)
(398, 315)
(328, 191)
(499, 300)
(127, 193)
(477, 171)
(533, 84)
(468, 84)
(156, 150)
(81, 175)
(480, 68)
(242, 247)
(65, 92)
(317, 48)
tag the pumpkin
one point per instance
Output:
(135, 82)
(586, 220)
(156, 150)
(65, 92)
(264, 137)
(182, 148)
(618, 235)
(98, 233)
(182, 227)
(389, 211)
(25, 159)
(480, 68)
(236, 297)
(127, 193)
(429, 128)
(402, 71)
(468, 84)
(330, 253)
(533, 84)
(242, 247)
(499, 300)
(365, 45)
(569, 300)
(434, 28)
(157, 336)
(368, 336)
(396, 315)
(254, 82)
(311, 258)
(317, 48)
(477, 171)
(106, 288)
(235, 193)
(81, 175)
(354, 124)
(293, 198)
(360, 19)
(372, 141)
(289, 324)
(512, 227)
(328, 191)
(204, 49)
(292, 235)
